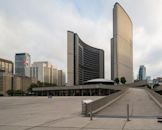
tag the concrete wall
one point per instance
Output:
(70, 57)
(22, 83)
(156, 97)
(17, 85)
(55, 76)
(141, 83)
(61, 78)
(102, 66)
(5, 82)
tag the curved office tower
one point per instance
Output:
(84, 62)
(122, 45)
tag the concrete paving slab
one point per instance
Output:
(77, 122)
(106, 123)
(54, 128)
(102, 129)
(37, 111)
(13, 127)
(143, 124)
(99, 129)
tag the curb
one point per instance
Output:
(154, 99)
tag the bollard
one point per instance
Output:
(128, 112)
(91, 115)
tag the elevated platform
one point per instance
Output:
(81, 90)
(140, 102)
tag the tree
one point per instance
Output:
(156, 85)
(18, 93)
(148, 86)
(10, 92)
(32, 86)
(123, 80)
(15, 92)
(116, 80)
(40, 84)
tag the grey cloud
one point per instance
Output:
(45, 39)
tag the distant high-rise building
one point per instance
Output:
(61, 78)
(22, 64)
(6, 76)
(158, 80)
(142, 73)
(148, 78)
(122, 45)
(84, 62)
(44, 72)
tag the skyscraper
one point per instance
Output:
(84, 62)
(22, 64)
(142, 73)
(122, 45)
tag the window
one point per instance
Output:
(10, 68)
(0, 64)
(3, 65)
(6, 67)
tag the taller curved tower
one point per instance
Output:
(122, 45)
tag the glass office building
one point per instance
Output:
(22, 64)
(142, 73)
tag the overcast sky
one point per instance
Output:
(39, 27)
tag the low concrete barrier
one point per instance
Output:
(99, 104)
(156, 97)
(141, 83)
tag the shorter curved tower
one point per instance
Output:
(84, 62)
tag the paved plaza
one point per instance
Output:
(64, 113)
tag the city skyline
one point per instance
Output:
(40, 29)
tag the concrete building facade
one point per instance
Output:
(84, 62)
(61, 78)
(6, 76)
(142, 73)
(22, 82)
(22, 64)
(45, 72)
(122, 45)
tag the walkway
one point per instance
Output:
(141, 105)
(64, 113)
